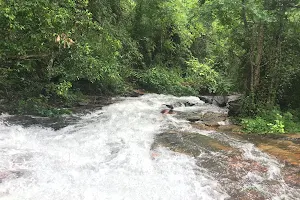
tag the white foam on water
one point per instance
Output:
(106, 155)
(276, 190)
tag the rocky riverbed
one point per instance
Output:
(283, 147)
(248, 166)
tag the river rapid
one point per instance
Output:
(109, 154)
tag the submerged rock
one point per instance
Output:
(284, 147)
(212, 119)
(10, 175)
(229, 128)
(189, 143)
(60, 121)
(52, 122)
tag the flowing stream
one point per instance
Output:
(109, 154)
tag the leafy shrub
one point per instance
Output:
(256, 125)
(224, 85)
(277, 126)
(39, 106)
(291, 122)
(198, 77)
(161, 80)
(202, 76)
(271, 121)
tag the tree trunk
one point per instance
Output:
(255, 56)
(259, 54)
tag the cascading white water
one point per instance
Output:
(106, 155)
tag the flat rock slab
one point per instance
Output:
(91, 104)
(285, 147)
(208, 118)
(55, 122)
(192, 144)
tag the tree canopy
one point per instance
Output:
(54, 50)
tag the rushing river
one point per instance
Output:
(109, 154)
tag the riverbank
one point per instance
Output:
(285, 147)
(282, 147)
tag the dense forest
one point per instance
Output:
(54, 52)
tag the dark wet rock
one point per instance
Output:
(183, 104)
(231, 165)
(234, 105)
(188, 143)
(208, 118)
(238, 164)
(90, 104)
(249, 194)
(291, 175)
(136, 93)
(231, 128)
(167, 111)
(10, 175)
(295, 138)
(284, 147)
(188, 104)
(235, 108)
(231, 169)
(202, 126)
(55, 123)
(83, 103)
(232, 102)
(220, 101)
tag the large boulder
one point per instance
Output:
(234, 105)
(136, 93)
(232, 102)
(220, 101)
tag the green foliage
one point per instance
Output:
(262, 126)
(165, 30)
(201, 76)
(271, 121)
(63, 88)
(277, 126)
(160, 79)
(72, 47)
(291, 122)
(256, 125)
(50, 45)
(39, 106)
(224, 85)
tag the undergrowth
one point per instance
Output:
(271, 121)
